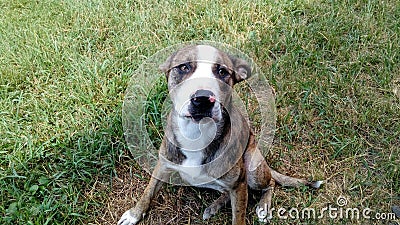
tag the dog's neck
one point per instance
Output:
(193, 136)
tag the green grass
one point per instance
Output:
(65, 65)
(153, 111)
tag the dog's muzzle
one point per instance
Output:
(201, 104)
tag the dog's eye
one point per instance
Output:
(223, 72)
(184, 68)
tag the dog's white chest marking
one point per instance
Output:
(193, 136)
(193, 172)
(191, 169)
(191, 165)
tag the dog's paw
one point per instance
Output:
(209, 212)
(130, 218)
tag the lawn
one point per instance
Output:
(65, 67)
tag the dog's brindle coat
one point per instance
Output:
(207, 139)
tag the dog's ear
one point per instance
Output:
(241, 68)
(166, 66)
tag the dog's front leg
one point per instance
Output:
(239, 203)
(134, 215)
(216, 205)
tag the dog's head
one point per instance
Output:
(200, 80)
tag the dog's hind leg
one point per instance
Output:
(216, 205)
(259, 178)
(263, 209)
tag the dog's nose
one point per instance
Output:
(203, 98)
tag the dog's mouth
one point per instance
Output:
(199, 116)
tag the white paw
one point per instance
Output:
(209, 212)
(128, 218)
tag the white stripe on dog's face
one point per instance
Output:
(201, 79)
(206, 57)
